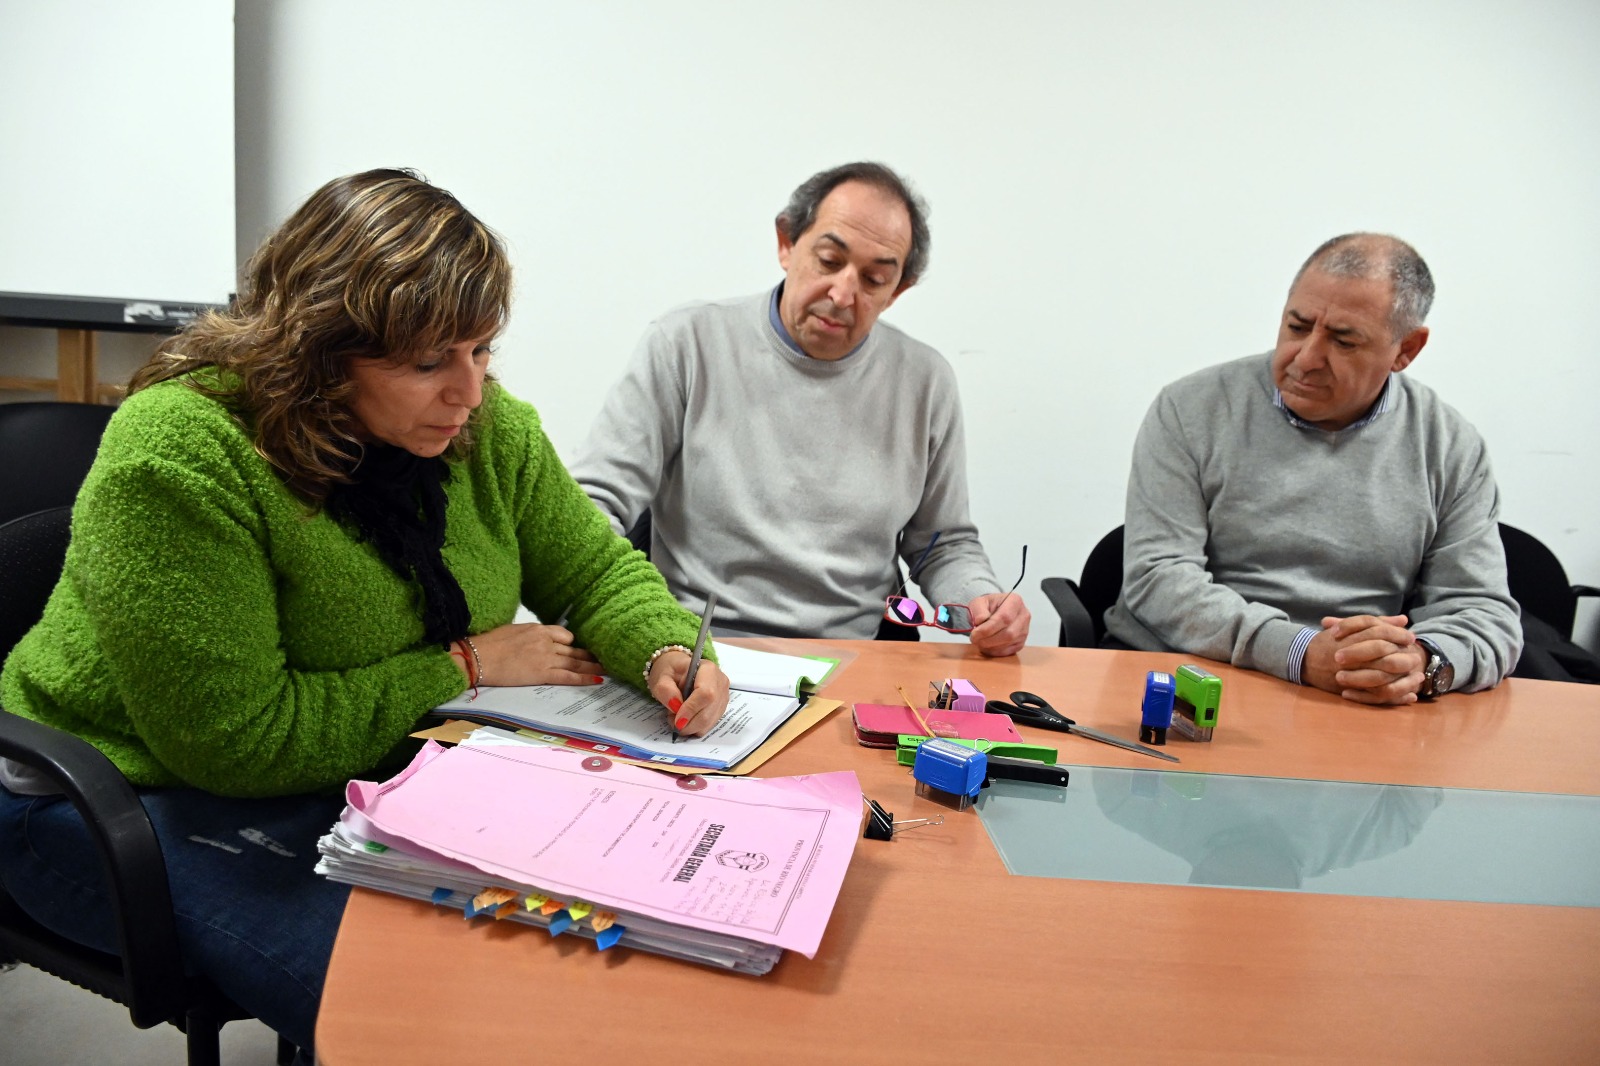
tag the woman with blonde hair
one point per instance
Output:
(313, 520)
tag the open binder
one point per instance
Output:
(767, 689)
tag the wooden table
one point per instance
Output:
(935, 954)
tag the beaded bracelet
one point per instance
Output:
(651, 662)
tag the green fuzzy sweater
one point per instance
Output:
(209, 630)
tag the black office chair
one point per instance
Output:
(32, 550)
(146, 975)
(1082, 604)
(46, 448)
(1539, 582)
(1536, 578)
(1549, 603)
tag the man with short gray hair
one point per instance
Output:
(790, 447)
(1315, 515)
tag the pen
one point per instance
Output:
(698, 653)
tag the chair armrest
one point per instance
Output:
(1077, 628)
(136, 872)
(1585, 590)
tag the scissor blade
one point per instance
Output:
(1107, 738)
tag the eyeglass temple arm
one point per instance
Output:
(917, 566)
(1020, 576)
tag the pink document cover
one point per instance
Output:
(759, 859)
(878, 724)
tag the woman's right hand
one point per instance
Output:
(527, 653)
(705, 705)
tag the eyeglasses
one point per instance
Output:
(950, 617)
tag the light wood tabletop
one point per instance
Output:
(935, 954)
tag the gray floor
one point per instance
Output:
(48, 1022)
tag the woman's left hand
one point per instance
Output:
(703, 709)
(527, 653)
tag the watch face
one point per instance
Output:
(1438, 675)
(1444, 677)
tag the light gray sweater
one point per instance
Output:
(783, 482)
(1242, 528)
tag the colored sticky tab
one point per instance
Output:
(560, 923)
(579, 910)
(441, 894)
(602, 921)
(550, 906)
(608, 936)
(376, 848)
(505, 910)
(535, 901)
(492, 897)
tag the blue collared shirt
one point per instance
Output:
(1302, 640)
(783, 334)
(1379, 406)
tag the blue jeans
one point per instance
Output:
(251, 914)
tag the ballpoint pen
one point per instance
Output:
(698, 653)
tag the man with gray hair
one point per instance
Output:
(789, 446)
(1315, 515)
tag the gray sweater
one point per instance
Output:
(1242, 529)
(784, 482)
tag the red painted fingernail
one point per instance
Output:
(674, 703)
(596, 678)
(680, 723)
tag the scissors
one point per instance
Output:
(1029, 709)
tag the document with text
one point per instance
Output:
(758, 860)
(763, 696)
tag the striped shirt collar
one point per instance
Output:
(1384, 402)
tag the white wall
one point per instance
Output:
(116, 166)
(1120, 194)
(116, 171)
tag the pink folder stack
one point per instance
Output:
(708, 869)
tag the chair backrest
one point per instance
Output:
(147, 974)
(1538, 581)
(46, 448)
(1101, 581)
(32, 550)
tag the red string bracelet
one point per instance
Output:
(471, 664)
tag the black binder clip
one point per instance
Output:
(882, 826)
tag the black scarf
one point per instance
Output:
(395, 501)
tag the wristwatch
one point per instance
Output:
(1437, 675)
